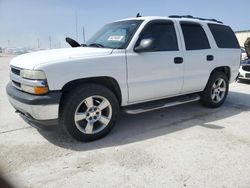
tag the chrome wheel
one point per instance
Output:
(93, 114)
(218, 90)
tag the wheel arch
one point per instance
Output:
(224, 69)
(108, 82)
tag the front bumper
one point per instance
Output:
(244, 74)
(37, 109)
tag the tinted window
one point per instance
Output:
(164, 36)
(194, 36)
(224, 36)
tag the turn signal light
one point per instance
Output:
(41, 90)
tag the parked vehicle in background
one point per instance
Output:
(244, 71)
(136, 65)
(243, 54)
(247, 47)
(15, 51)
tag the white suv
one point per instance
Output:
(137, 65)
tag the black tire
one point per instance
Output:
(206, 95)
(75, 98)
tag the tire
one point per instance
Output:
(216, 90)
(89, 112)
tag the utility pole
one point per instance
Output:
(76, 20)
(38, 43)
(50, 42)
(8, 43)
(83, 34)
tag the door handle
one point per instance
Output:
(178, 60)
(210, 57)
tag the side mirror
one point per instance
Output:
(72, 42)
(145, 45)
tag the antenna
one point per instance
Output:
(50, 42)
(38, 43)
(138, 15)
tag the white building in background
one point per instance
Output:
(242, 36)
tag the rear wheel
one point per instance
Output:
(89, 112)
(216, 90)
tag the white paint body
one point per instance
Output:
(141, 76)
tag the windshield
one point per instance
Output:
(115, 35)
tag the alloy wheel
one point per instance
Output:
(218, 90)
(93, 114)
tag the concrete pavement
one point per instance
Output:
(182, 146)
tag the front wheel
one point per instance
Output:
(89, 112)
(216, 90)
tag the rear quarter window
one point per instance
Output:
(224, 36)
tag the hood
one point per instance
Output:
(30, 60)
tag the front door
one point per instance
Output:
(158, 72)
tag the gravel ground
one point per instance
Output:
(182, 146)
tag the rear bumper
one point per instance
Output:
(39, 109)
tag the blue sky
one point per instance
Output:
(24, 22)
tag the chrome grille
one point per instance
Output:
(15, 71)
(246, 67)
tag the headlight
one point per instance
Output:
(33, 74)
(39, 77)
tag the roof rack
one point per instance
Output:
(197, 18)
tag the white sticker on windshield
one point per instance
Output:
(115, 38)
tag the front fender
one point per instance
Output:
(114, 66)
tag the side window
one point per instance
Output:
(164, 36)
(194, 36)
(224, 36)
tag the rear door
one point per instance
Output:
(228, 49)
(199, 58)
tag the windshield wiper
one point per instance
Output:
(96, 45)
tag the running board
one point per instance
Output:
(159, 104)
